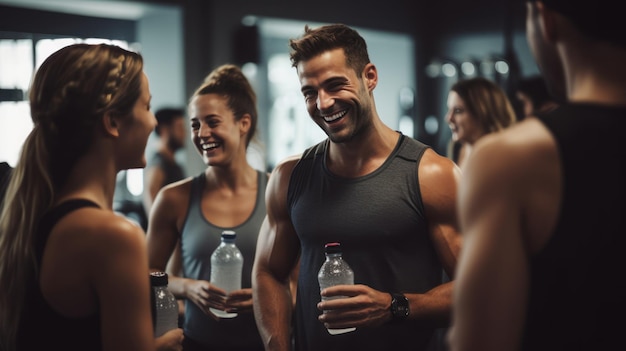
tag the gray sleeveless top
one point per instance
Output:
(379, 221)
(198, 240)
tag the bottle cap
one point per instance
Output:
(158, 278)
(330, 248)
(229, 234)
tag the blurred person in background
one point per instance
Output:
(476, 107)
(162, 167)
(533, 95)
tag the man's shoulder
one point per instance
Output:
(310, 153)
(286, 165)
(515, 150)
(436, 168)
(527, 135)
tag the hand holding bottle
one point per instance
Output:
(235, 302)
(205, 295)
(334, 271)
(226, 270)
(170, 341)
(239, 301)
(222, 296)
(355, 305)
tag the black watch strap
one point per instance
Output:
(399, 307)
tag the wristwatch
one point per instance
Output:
(399, 306)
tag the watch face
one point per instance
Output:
(403, 310)
(399, 306)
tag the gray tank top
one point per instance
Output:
(198, 240)
(379, 221)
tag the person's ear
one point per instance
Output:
(111, 125)
(370, 76)
(548, 22)
(245, 122)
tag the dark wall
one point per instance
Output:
(14, 19)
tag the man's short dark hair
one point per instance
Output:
(314, 41)
(536, 89)
(600, 19)
(166, 115)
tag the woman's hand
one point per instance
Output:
(170, 341)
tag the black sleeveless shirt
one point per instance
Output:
(43, 328)
(578, 288)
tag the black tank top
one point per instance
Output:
(41, 327)
(379, 221)
(578, 289)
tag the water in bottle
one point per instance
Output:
(164, 304)
(335, 271)
(226, 267)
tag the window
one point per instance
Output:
(19, 58)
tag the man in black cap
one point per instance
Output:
(542, 204)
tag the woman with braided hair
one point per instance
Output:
(74, 274)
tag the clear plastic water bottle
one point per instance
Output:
(226, 267)
(164, 304)
(335, 271)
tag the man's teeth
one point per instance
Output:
(335, 116)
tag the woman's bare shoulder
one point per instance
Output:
(94, 237)
(99, 227)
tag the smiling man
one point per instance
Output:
(388, 199)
